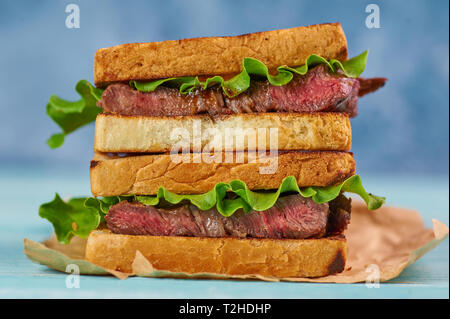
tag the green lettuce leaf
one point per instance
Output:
(260, 201)
(103, 205)
(351, 68)
(71, 115)
(79, 216)
(70, 218)
(246, 199)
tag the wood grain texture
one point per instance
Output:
(21, 278)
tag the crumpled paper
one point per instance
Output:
(381, 244)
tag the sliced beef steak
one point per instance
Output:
(292, 216)
(124, 100)
(367, 86)
(317, 91)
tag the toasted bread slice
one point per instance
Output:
(237, 132)
(217, 55)
(144, 174)
(279, 258)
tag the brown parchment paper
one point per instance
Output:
(381, 244)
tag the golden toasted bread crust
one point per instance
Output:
(217, 55)
(230, 256)
(292, 131)
(144, 174)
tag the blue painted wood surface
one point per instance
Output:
(24, 189)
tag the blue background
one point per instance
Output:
(401, 129)
(400, 137)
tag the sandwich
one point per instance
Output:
(219, 155)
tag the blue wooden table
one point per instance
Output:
(23, 189)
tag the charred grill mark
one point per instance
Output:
(338, 263)
(94, 163)
(342, 53)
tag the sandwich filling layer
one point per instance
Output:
(316, 91)
(292, 216)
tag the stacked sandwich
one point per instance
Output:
(226, 155)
